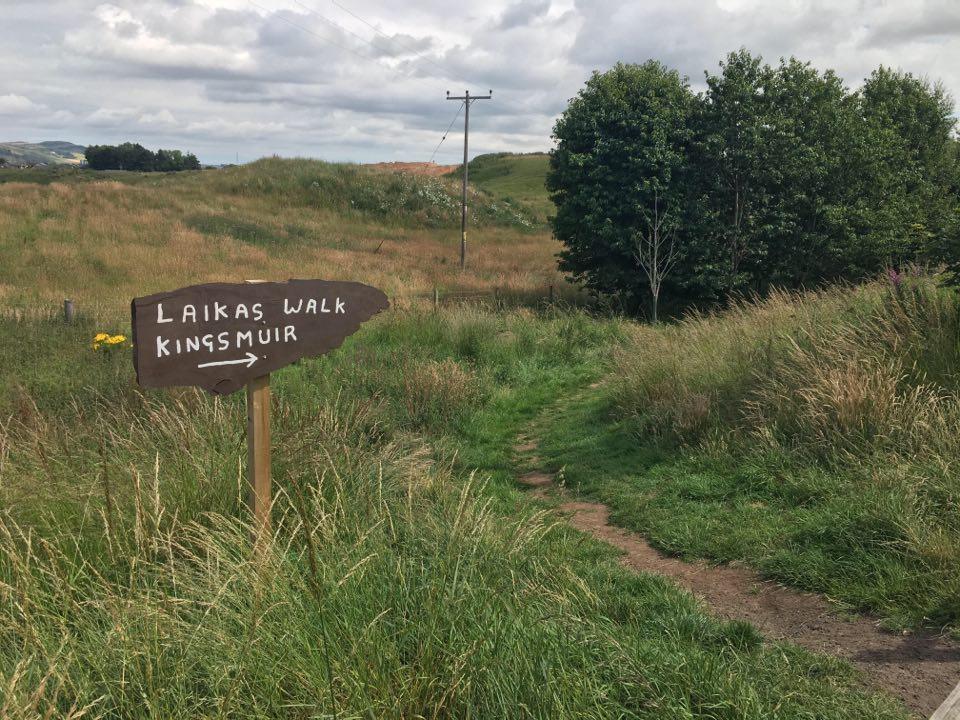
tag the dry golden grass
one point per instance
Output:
(103, 242)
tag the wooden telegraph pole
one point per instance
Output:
(467, 98)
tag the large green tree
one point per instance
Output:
(775, 176)
(133, 156)
(915, 204)
(617, 177)
(733, 127)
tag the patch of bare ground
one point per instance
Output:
(919, 668)
(414, 168)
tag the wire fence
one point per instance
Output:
(542, 297)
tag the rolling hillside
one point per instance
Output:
(515, 177)
(51, 152)
(412, 573)
(277, 217)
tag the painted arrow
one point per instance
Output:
(249, 360)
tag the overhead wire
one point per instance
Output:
(334, 24)
(311, 32)
(447, 131)
(338, 26)
(421, 55)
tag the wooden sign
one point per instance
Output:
(221, 336)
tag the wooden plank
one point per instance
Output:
(220, 336)
(950, 709)
(258, 452)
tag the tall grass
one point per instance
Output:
(835, 375)
(840, 407)
(103, 241)
(396, 583)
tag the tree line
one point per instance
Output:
(133, 156)
(774, 175)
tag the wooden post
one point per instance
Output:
(436, 299)
(551, 293)
(258, 453)
(68, 311)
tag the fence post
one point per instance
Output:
(68, 311)
(551, 293)
(436, 299)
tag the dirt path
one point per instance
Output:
(919, 669)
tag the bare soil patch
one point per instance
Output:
(414, 168)
(919, 668)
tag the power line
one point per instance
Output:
(421, 55)
(335, 24)
(447, 131)
(311, 32)
(389, 53)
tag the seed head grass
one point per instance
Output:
(400, 580)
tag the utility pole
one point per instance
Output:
(467, 98)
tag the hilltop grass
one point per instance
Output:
(520, 178)
(813, 436)
(407, 577)
(102, 238)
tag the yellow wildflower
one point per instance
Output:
(100, 337)
(116, 339)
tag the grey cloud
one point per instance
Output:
(522, 13)
(218, 76)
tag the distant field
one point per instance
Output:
(105, 237)
(517, 177)
(52, 152)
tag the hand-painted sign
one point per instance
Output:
(222, 335)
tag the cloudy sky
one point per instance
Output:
(365, 80)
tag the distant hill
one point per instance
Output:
(51, 152)
(519, 177)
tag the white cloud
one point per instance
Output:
(11, 104)
(162, 118)
(307, 77)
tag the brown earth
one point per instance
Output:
(919, 668)
(414, 168)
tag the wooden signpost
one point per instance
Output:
(225, 336)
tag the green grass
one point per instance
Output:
(408, 577)
(520, 178)
(102, 238)
(813, 437)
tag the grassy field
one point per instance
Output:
(813, 436)
(101, 238)
(519, 178)
(408, 576)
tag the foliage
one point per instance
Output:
(399, 582)
(812, 435)
(621, 150)
(515, 177)
(786, 179)
(353, 190)
(133, 156)
(106, 343)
